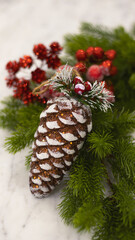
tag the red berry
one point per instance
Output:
(89, 52)
(111, 97)
(40, 51)
(80, 55)
(109, 86)
(53, 61)
(113, 71)
(110, 54)
(12, 82)
(98, 52)
(110, 91)
(87, 86)
(26, 62)
(55, 47)
(77, 80)
(67, 68)
(94, 73)
(106, 66)
(80, 67)
(13, 67)
(79, 88)
(38, 75)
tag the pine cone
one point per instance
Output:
(60, 135)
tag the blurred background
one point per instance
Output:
(24, 23)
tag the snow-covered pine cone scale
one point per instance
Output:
(60, 135)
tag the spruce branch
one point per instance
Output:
(28, 120)
(96, 31)
(8, 115)
(124, 196)
(89, 215)
(101, 144)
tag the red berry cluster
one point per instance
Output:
(49, 55)
(96, 55)
(80, 87)
(96, 63)
(22, 85)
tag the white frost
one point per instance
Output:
(68, 151)
(67, 163)
(42, 129)
(55, 175)
(45, 166)
(82, 133)
(69, 136)
(33, 189)
(36, 181)
(65, 104)
(46, 179)
(33, 159)
(52, 187)
(38, 195)
(64, 172)
(67, 121)
(33, 145)
(43, 114)
(35, 135)
(58, 165)
(79, 146)
(35, 171)
(80, 118)
(44, 189)
(53, 141)
(42, 155)
(52, 125)
(41, 143)
(55, 154)
(52, 109)
(89, 127)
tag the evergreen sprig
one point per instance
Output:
(102, 180)
(23, 120)
(8, 115)
(101, 143)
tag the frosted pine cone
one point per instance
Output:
(60, 135)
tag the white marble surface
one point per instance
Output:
(22, 24)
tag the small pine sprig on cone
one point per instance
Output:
(67, 81)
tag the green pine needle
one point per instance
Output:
(28, 160)
(101, 144)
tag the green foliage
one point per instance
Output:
(23, 119)
(132, 81)
(102, 180)
(117, 39)
(84, 189)
(124, 196)
(8, 115)
(101, 143)
(89, 215)
(124, 159)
